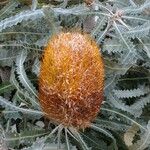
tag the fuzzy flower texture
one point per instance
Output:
(71, 80)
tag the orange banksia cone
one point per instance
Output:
(71, 80)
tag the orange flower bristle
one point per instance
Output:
(71, 79)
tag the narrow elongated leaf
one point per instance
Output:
(131, 93)
(23, 16)
(22, 74)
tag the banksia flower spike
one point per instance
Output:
(71, 80)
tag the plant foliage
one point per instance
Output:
(121, 28)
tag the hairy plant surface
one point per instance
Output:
(71, 80)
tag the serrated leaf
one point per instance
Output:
(137, 9)
(10, 106)
(105, 132)
(23, 16)
(27, 97)
(138, 106)
(101, 22)
(111, 125)
(8, 114)
(26, 135)
(131, 92)
(139, 31)
(112, 46)
(22, 74)
(76, 10)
